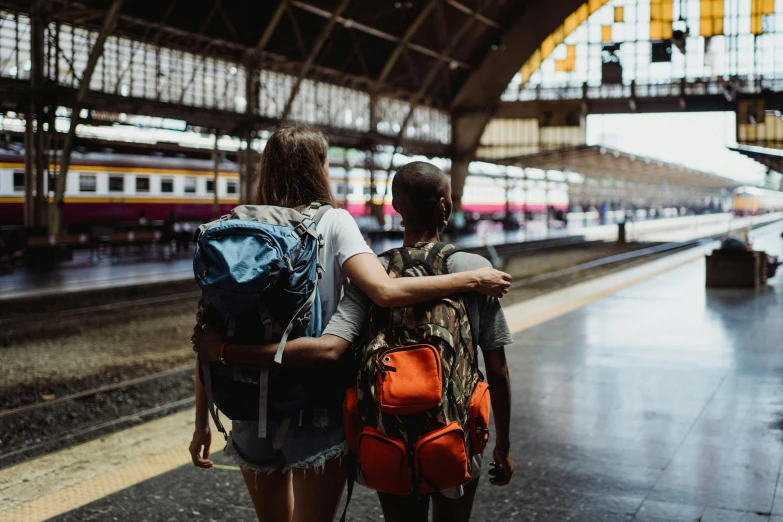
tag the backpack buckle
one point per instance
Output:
(304, 320)
(300, 230)
(304, 228)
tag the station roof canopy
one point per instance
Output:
(604, 163)
(389, 47)
(770, 158)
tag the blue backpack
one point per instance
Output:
(258, 270)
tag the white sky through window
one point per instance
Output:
(696, 140)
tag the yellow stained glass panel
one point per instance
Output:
(756, 25)
(619, 14)
(711, 18)
(606, 33)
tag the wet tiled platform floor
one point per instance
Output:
(661, 402)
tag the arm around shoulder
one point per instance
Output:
(366, 272)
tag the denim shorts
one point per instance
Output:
(304, 445)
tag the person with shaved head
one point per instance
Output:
(422, 196)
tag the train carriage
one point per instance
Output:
(105, 188)
(751, 201)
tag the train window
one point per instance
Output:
(116, 183)
(87, 183)
(190, 185)
(19, 181)
(210, 186)
(339, 189)
(231, 187)
(167, 185)
(142, 184)
(366, 191)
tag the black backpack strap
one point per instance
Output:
(389, 255)
(434, 252)
(351, 481)
(448, 251)
(407, 260)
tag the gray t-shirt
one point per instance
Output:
(486, 316)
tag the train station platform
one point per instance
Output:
(88, 272)
(639, 395)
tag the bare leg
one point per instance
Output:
(318, 495)
(404, 509)
(272, 495)
(455, 510)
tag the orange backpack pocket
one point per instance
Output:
(479, 417)
(351, 419)
(409, 379)
(384, 462)
(441, 459)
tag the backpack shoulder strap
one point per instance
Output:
(317, 210)
(438, 256)
(415, 257)
(390, 255)
(312, 215)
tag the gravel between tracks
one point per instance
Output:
(138, 343)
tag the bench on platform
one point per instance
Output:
(51, 249)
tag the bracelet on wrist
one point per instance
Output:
(222, 351)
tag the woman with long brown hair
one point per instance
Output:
(303, 479)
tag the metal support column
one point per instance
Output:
(215, 175)
(241, 168)
(37, 28)
(55, 225)
(29, 180)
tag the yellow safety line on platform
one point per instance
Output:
(65, 480)
(98, 487)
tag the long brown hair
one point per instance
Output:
(291, 172)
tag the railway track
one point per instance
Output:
(617, 259)
(42, 427)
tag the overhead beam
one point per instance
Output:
(358, 26)
(405, 40)
(319, 43)
(96, 52)
(468, 11)
(269, 30)
(435, 71)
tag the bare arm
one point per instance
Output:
(500, 396)
(202, 414)
(304, 351)
(367, 272)
(202, 434)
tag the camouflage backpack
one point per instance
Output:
(420, 408)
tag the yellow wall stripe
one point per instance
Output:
(130, 170)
